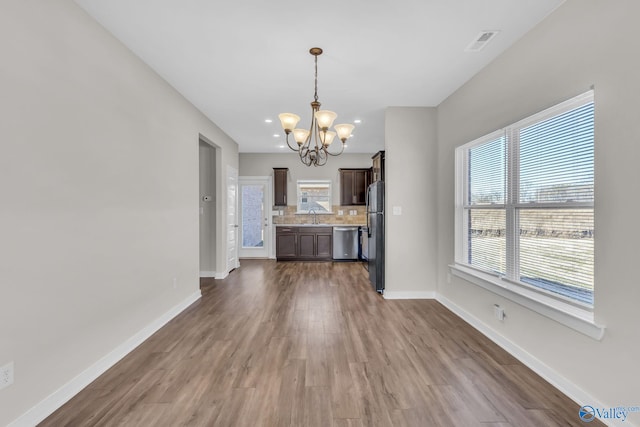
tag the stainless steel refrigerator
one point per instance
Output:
(375, 225)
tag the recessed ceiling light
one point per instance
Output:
(357, 121)
(276, 135)
(268, 121)
(280, 146)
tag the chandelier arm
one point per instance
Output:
(304, 148)
(305, 158)
(304, 151)
(292, 148)
(318, 141)
(322, 158)
(307, 155)
(335, 154)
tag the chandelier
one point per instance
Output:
(313, 144)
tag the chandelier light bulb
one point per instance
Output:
(344, 131)
(327, 138)
(300, 135)
(288, 121)
(325, 119)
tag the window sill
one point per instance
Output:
(576, 318)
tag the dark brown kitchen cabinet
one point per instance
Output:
(286, 243)
(280, 186)
(324, 244)
(378, 167)
(307, 243)
(304, 243)
(353, 186)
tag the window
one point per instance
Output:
(314, 195)
(524, 204)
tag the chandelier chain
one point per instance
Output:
(315, 93)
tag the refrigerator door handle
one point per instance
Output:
(368, 235)
(367, 209)
(366, 199)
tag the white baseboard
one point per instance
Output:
(409, 295)
(214, 274)
(58, 398)
(574, 392)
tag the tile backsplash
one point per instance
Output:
(289, 216)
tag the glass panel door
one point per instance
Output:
(254, 205)
(253, 216)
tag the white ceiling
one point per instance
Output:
(243, 61)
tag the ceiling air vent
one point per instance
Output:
(481, 41)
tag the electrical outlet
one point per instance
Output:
(6, 375)
(175, 283)
(499, 312)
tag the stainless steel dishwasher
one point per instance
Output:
(345, 242)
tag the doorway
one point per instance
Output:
(208, 203)
(255, 218)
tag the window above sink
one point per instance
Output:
(314, 195)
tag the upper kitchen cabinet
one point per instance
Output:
(280, 186)
(378, 167)
(353, 186)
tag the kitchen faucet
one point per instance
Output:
(315, 215)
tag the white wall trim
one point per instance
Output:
(574, 392)
(58, 398)
(208, 274)
(214, 274)
(409, 295)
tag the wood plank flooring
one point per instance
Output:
(311, 344)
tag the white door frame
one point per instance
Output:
(265, 250)
(232, 219)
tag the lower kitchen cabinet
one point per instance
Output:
(286, 244)
(324, 245)
(304, 243)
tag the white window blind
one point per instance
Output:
(527, 202)
(555, 209)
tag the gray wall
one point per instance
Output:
(99, 185)
(259, 164)
(583, 43)
(410, 184)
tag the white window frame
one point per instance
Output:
(326, 182)
(569, 312)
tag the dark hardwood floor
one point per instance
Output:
(311, 344)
